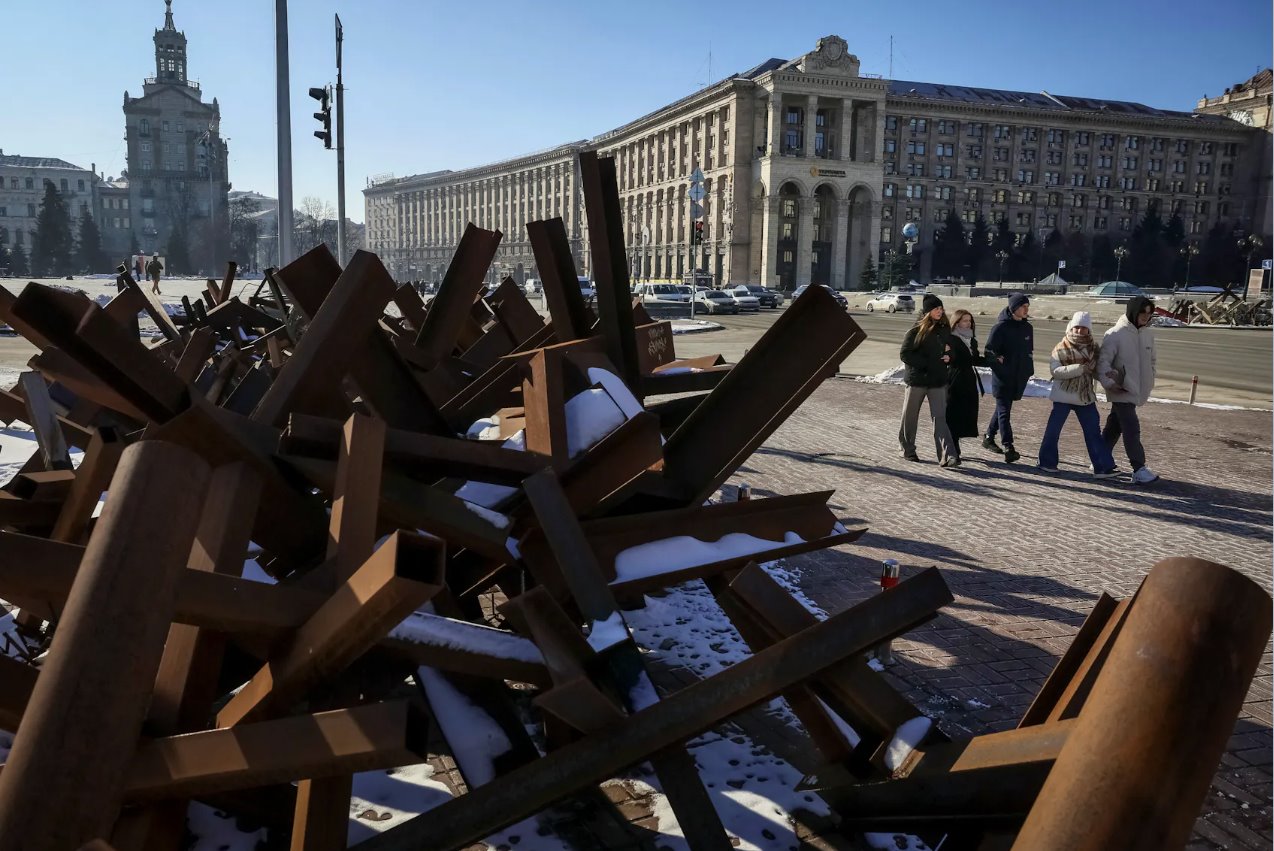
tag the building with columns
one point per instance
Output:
(177, 160)
(812, 167)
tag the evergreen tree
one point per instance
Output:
(867, 277)
(1148, 261)
(1075, 249)
(977, 250)
(52, 251)
(1103, 262)
(89, 256)
(4, 257)
(178, 253)
(243, 230)
(1219, 262)
(18, 266)
(949, 247)
(1174, 232)
(1024, 261)
(1054, 250)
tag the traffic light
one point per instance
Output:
(696, 235)
(324, 115)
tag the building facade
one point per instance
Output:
(177, 160)
(22, 181)
(1248, 103)
(811, 168)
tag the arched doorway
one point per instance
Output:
(824, 227)
(858, 236)
(789, 235)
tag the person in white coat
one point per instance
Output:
(1126, 368)
(1074, 369)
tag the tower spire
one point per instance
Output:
(168, 16)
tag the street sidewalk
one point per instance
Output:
(1026, 554)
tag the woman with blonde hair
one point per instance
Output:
(1074, 367)
(964, 386)
(926, 351)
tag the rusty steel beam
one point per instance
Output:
(801, 349)
(15, 322)
(307, 280)
(437, 642)
(154, 309)
(417, 454)
(105, 349)
(228, 281)
(101, 458)
(63, 781)
(1068, 685)
(124, 307)
(59, 367)
(441, 330)
(410, 306)
(664, 383)
(688, 712)
(351, 531)
(655, 347)
(490, 390)
(513, 311)
(43, 419)
(544, 399)
(1136, 768)
(17, 682)
(610, 263)
(398, 578)
(200, 346)
(571, 317)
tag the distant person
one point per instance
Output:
(964, 386)
(1126, 369)
(926, 351)
(138, 266)
(155, 269)
(1073, 364)
(1009, 350)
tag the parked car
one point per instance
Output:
(587, 289)
(892, 303)
(767, 298)
(716, 301)
(662, 292)
(1117, 289)
(840, 299)
(745, 300)
(533, 286)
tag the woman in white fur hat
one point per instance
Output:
(1074, 368)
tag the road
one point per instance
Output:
(1234, 366)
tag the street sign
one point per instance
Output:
(1267, 264)
(696, 210)
(1061, 264)
(696, 176)
(697, 192)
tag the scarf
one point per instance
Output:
(965, 335)
(1072, 350)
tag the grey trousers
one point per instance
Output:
(911, 399)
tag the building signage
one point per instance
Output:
(827, 172)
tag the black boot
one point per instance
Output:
(988, 443)
(1010, 454)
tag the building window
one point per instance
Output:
(1027, 155)
(887, 214)
(1000, 175)
(891, 167)
(792, 141)
(1129, 204)
(970, 216)
(1230, 149)
(785, 232)
(30, 183)
(1104, 160)
(1179, 167)
(918, 125)
(1227, 169)
(891, 146)
(1223, 209)
(1177, 186)
(1000, 196)
(1102, 181)
(1076, 222)
(973, 172)
(1055, 199)
(975, 195)
(1107, 141)
(916, 169)
(1003, 131)
(975, 130)
(1000, 154)
(915, 147)
(181, 127)
(915, 190)
(887, 234)
(1204, 168)
(1025, 176)
(975, 151)
(165, 126)
(1025, 196)
(1099, 222)
(1103, 202)
(1152, 184)
(31, 211)
(1154, 165)
(1200, 187)
(1205, 149)
(946, 150)
(942, 171)
(944, 193)
(939, 216)
(1078, 200)
(889, 190)
(1030, 134)
(794, 115)
(1053, 178)
(1083, 138)
(1054, 157)
(1200, 208)
(1157, 144)
(891, 123)
(946, 128)
(789, 207)
(913, 214)
(1057, 137)
(1183, 146)
(1125, 223)
(787, 256)
(1196, 227)
(1132, 143)
(1130, 162)
(1079, 159)
(820, 118)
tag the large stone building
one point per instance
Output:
(812, 168)
(22, 181)
(177, 173)
(1248, 103)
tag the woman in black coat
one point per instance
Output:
(926, 354)
(964, 386)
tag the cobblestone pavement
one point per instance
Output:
(1026, 553)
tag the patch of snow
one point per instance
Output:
(617, 390)
(973, 703)
(590, 416)
(842, 726)
(682, 551)
(905, 740)
(642, 695)
(438, 631)
(495, 518)
(214, 830)
(512, 545)
(895, 842)
(487, 428)
(253, 571)
(876, 665)
(474, 736)
(608, 632)
(484, 494)
(694, 326)
(678, 370)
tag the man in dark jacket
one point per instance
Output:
(1009, 350)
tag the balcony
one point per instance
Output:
(155, 81)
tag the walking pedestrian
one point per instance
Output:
(138, 266)
(1074, 368)
(964, 385)
(1126, 368)
(1009, 350)
(926, 351)
(155, 269)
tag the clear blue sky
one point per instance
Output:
(433, 85)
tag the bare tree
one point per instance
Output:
(316, 224)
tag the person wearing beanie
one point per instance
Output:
(1009, 350)
(1074, 368)
(1126, 368)
(926, 351)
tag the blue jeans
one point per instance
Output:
(1090, 422)
(999, 423)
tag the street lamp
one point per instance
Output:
(890, 254)
(1251, 244)
(1188, 251)
(1001, 255)
(1120, 253)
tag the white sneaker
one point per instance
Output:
(1144, 476)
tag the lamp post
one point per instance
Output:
(1001, 255)
(1120, 253)
(1189, 251)
(890, 254)
(1251, 244)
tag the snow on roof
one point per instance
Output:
(438, 631)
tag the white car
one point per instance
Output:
(744, 301)
(655, 293)
(891, 303)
